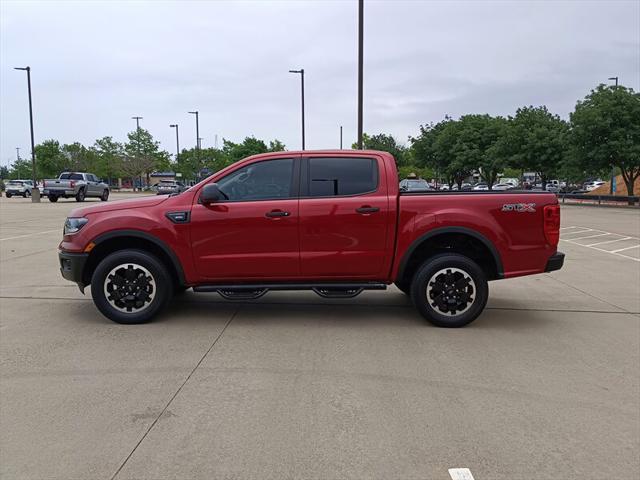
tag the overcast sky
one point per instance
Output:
(96, 64)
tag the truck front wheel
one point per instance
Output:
(450, 290)
(131, 286)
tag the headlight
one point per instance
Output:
(73, 225)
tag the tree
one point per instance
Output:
(142, 154)
(249, 146)
(50, 159)
(4, 172)
(605, 129)
(538, 141)
(77, 157)
(385, 143)
(481, 144)
(109, 155)
(20, 169)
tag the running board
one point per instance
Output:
(254, 291)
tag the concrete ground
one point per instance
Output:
(544, 385)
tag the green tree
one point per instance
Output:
(482, 145)
(605, 130)
(109, 156)
(4, 172)
(425, 154)
(20, 169)
(50, 161)
(385, 143)
(539, 141)
(77, 157)
(142, 155)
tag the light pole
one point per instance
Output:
(18, 153)
(301, 72)
(175, 125)
(35, 193)
(137, 119)
(197, 140)
(612, 183)
(340, 137)
(360, 67)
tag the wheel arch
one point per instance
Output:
(462, 240)
(110, 242)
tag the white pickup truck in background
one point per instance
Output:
(76, 185)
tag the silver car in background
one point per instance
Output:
(18, 187)
(167, 187)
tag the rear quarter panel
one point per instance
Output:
(518, 236)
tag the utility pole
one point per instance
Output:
(301, 72)
(35, 193)
(612, 183)
(197, 140)
(137, 119)
(360, 67)
(175, 125)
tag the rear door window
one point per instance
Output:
(328, 177)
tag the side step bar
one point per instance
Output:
(326, 290)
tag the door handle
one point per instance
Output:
(367, 209)
(277, 213)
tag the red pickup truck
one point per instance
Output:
(334, 222)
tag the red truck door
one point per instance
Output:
(253, 233)
(344, 212)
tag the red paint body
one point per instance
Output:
(323, 238)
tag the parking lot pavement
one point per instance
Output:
(543, 385)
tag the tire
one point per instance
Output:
(53, 198)
(469, 298)
(8, 195)
(105, 196)
(404, 288)
(80, 195)
(130, 266)
(26, 194)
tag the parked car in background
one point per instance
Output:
(19, 187)
(414, 185)
(76, 185)
(503, 186)
(593, 185)
(169, 186)
(480, 186)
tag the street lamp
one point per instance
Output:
(197, 138)
(360, 67)
(612, 184)
(137, 119)
(177, 140)
(35, 193)
(301, 72)
(340, 137)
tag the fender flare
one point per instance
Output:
(444, 230)
(155, 240)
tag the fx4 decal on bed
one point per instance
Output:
(519, 207)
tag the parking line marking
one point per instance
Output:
(29, 235)
(586, 230)
(626, 248)
(608, 241)
(591, 236)
(460, 474)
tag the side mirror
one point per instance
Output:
(210, 194)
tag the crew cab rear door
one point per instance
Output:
(344, 217)
(254, 233)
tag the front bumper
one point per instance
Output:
(72, 266)
(555, 262)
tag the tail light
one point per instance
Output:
(552, 224)
(72, 183)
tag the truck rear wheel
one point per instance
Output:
(131, 286)
(80, 195)
(53, 198)
(105, 195)
(450, 290)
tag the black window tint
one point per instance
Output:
(71, 176)
(266, 180)
(342, 176)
